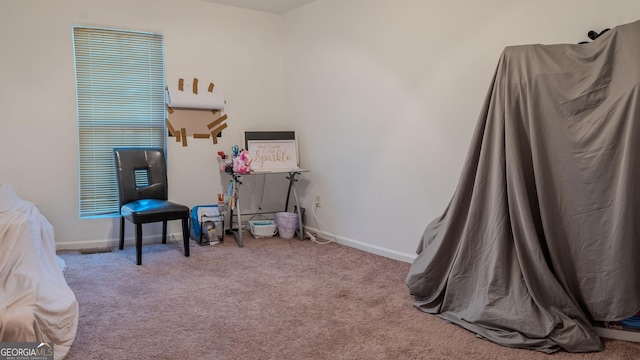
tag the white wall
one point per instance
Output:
(383, 94)
(386, 94)
(237, 49)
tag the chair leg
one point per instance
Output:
(164, 232)
(185, 235)
(121, 246)
(139, 244)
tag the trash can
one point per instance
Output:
(286, 224)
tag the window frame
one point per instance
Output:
(120, 102)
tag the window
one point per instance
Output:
(120, 103)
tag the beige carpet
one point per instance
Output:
(271, 299)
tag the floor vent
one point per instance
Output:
(95, 251)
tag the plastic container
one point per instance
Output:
(262, 228)
(286, 224)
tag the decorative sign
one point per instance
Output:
(273, 155)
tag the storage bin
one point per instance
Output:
(206, 220)
(262, 228)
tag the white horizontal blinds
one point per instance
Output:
(120, 99)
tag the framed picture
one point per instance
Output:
(273, 155)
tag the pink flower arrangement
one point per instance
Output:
(242, 162)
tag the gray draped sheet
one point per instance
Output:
(542, 235)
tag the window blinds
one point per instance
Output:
(120, 103)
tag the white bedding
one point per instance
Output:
(36, 304)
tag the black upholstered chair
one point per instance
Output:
(143, 194)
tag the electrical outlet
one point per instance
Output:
(317, 200)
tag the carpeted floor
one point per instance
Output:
(271, 299)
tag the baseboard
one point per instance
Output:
(378, 250)
(626, 335)
(111, 243)
(374, 249)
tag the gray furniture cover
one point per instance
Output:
(542, 235)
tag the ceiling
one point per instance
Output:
(273, 6)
